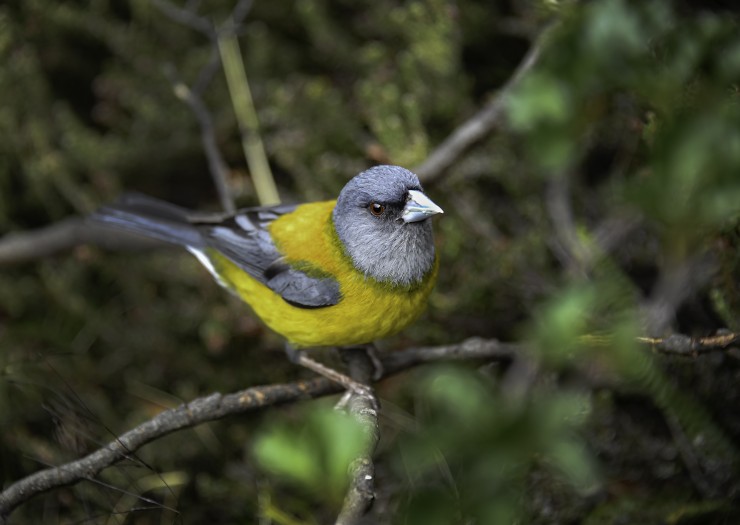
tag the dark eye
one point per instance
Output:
(376, 209)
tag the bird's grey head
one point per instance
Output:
(382, 218)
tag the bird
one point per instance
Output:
(335, 273)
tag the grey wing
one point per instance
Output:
(299, 289)
(245, 240)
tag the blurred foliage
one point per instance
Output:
(455, 472)
(318, 447)
(629, 122)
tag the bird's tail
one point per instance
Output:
(150, 217)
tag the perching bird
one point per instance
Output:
(332, 273)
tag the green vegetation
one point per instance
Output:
(605, 206)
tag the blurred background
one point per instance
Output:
(602, 205)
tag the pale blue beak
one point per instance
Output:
(419, 207)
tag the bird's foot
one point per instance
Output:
(354, 388)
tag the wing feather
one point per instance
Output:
(243, 238)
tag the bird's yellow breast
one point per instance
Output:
(368, 310)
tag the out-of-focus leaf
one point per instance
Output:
(314, 453)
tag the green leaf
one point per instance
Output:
(314, 452)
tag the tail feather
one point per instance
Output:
(150, 217)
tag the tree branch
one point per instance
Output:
(364, 408)
(679, 344)
(217, 406)
(216, 164)
(477, 126)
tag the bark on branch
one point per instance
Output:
(679, 344)
(364, 408)
(217, 406)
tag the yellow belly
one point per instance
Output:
(367, 311)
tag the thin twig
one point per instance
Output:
(477, 126)
(238, 14)
(679, 344)
(473, 348)
(216, 164)
(186, 17)
(207, 73)
(192, 97)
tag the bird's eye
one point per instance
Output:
(376, 209)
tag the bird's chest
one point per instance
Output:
(367, 312)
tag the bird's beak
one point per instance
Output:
(419, 207)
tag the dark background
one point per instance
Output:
(602, 208)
